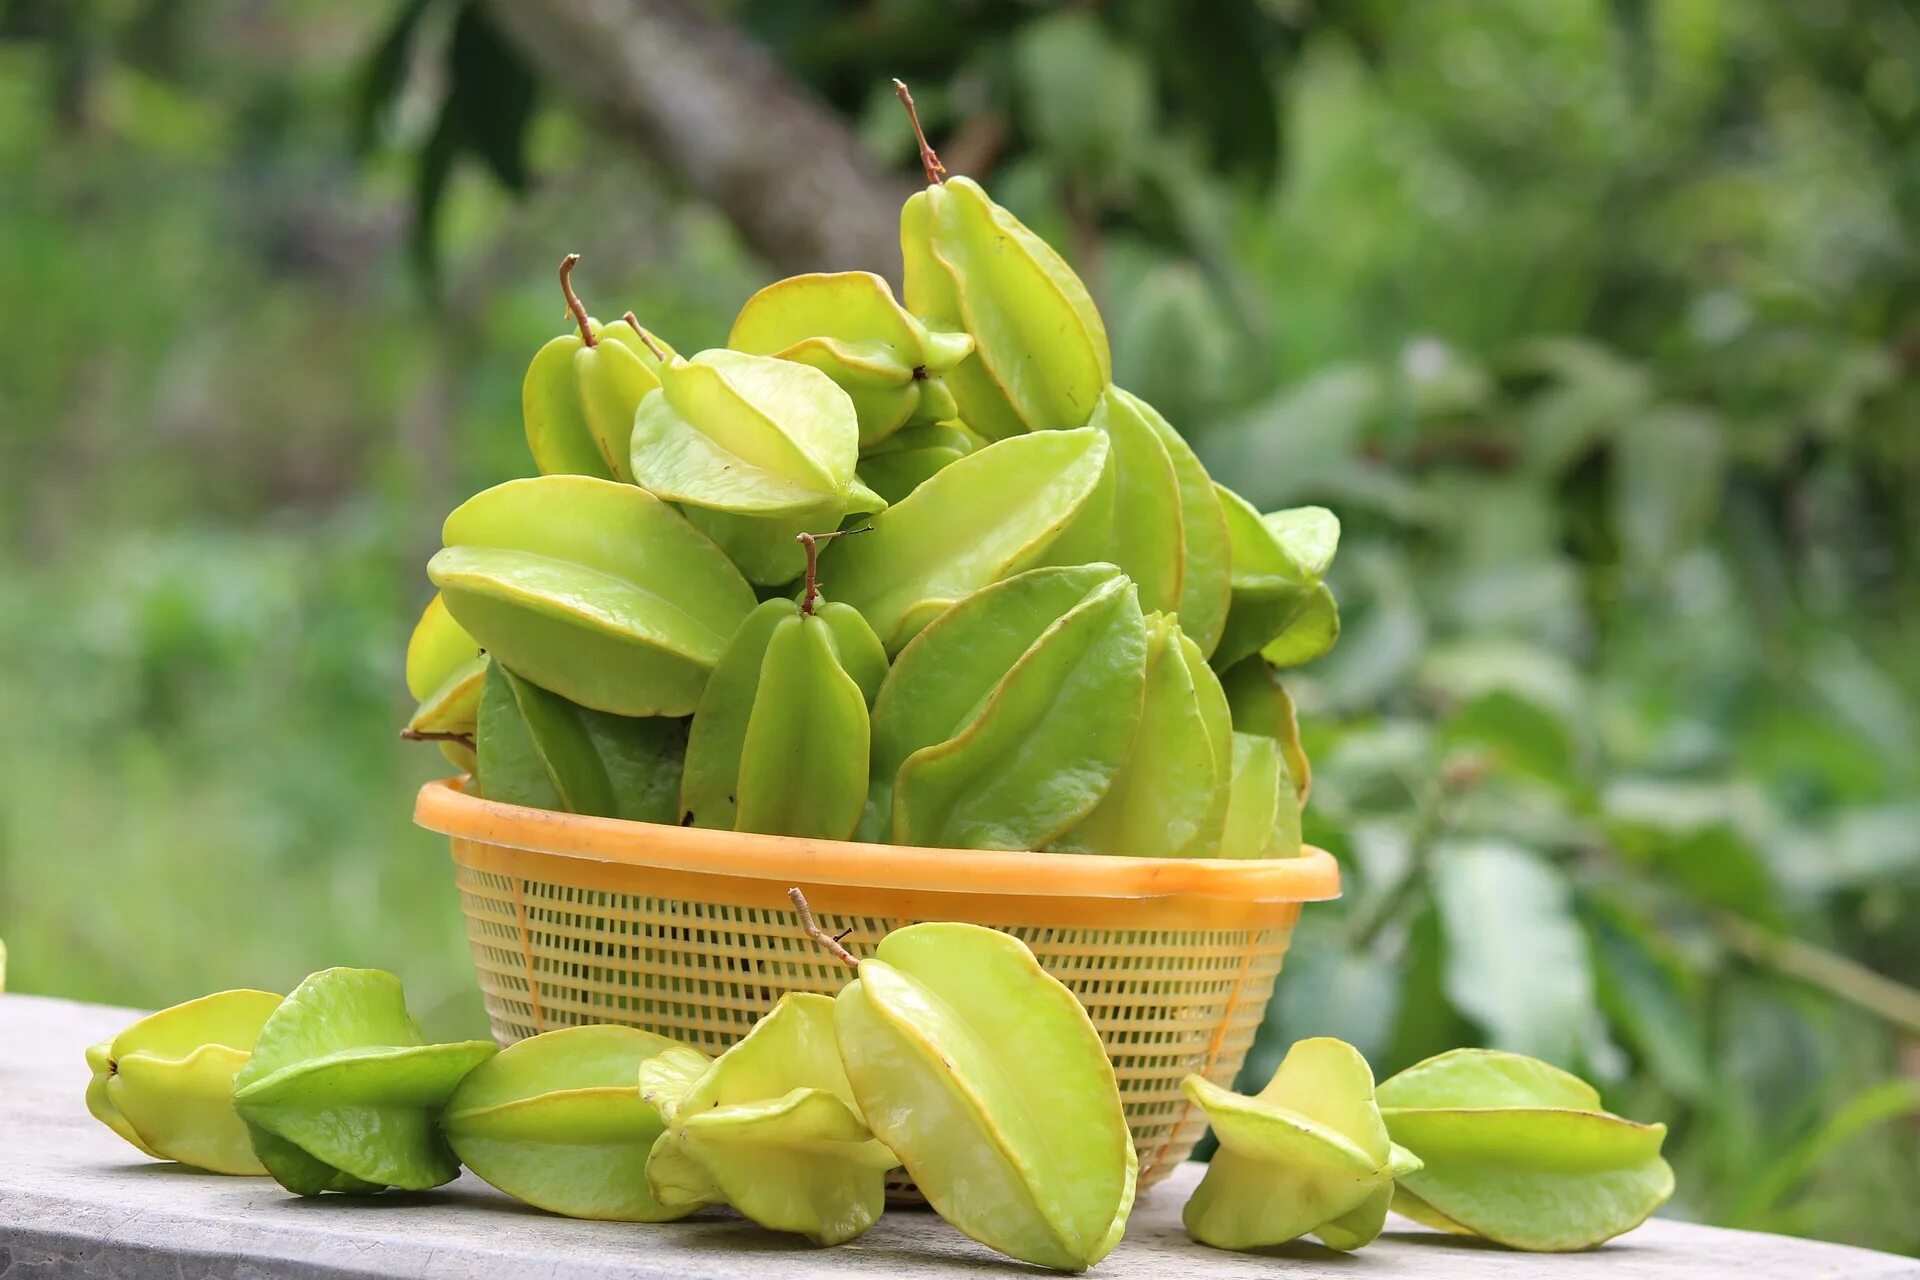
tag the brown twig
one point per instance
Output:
(417, 735)
(819, 935)
(812, 541)
(567, 264)
(929, 160)
(645, 337)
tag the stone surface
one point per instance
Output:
(75, 1201)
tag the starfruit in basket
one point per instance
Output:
(596, 591)
(1520, 1152)
(558, 1121)
(444, 671)
(912, 455)
(755, 450)
(536, 748)
(1308, 1154)
(165, 1084)
(1263, 809)
(1003, 724)
(1282, 608)
(582, 388)
(979, 519)
(983, 1074)
(771, 1128)
(779, 743)
(342, 1092)
(848, 325)
(1169, 797)
(1262, 705)
(1155, 515)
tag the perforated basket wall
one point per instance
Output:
(560, 940)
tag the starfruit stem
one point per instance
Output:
(416, 735)
(929, 160)
(645, 337)
(567, 264)
(811, 541)
(830, 941)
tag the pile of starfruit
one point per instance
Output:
(901, 569)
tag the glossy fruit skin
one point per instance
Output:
(1263, 809)
(1037, 1162)
(1282, 608)
(912, 455)
(1520, 1152)
(772, 1128)
(444, 671)
(848, 325)
(165, 1084)
(1308, 1154)
(578, 399)
(557, 1121)
(536, 748)
(343, 1094)
(1040, 357)
(595, 591)
(1261, 704)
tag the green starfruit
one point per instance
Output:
(558, 1121)
(1169, 799)
(912, 455)
(771, 1128)
(848, 325)
(165, 1084)
(536, 748)
(755, 450)
(582, 388)
(1205, 580)
(1262, 705)
(444, 671)
(342, 1092)
(982, 518)
(1282, 609)
(1263, 809)
(1520, 1152)
(983, 1074)
(1308, 1154)
(596, 591)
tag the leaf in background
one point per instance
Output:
(1087, 97)
(1330, 990)
(1516, 960)
(1652, 998)
(384, 74)
(1427, 1024)
(1276, 451)
(492, 94)
(1703, 836)
(1669, 466)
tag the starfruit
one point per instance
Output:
(848, 325)
(1169, 798)
(755, 450)
(582, 388)
(779, 743)
(1308, 1154)
(342, 1092)
(1262, 705)
(1205, 579)
(165, 1084)
(1004, 723)
(1263, 809)
(444, 672)
(596, 591)
(1281, 608)
(558, 1121)
(984, 517)
(1520, 1152)
(910, 456)
(771, 1128)
(984, 1075)
(535, 748)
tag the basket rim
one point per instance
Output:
(444, 806)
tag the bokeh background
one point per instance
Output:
(1594, 321)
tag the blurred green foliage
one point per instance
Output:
(1595, 322)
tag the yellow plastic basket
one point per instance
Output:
(689, 933)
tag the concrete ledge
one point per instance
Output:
(77, 1202)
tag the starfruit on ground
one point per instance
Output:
(1520, 1152)
(165, 1084)
(557, 1121)
(1040, 358)
(1282, 608)
(848, 325)
(1308, 1154)
(444, 670)
(582, 388)
(755, 450)
(535, 748)
(986, 1078)
(779, 742)
(1003, 724)
(598, 592)
(1169, 798)
(342, 1092)
(985, 517)
(771, 1127)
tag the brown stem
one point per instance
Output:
(567, 265)
(819, 935)
(812, 541)
(645, 337)
(929, 161)
(416, 735)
